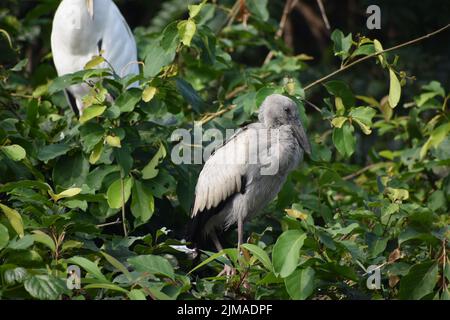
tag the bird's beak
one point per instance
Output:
(90, 7)
(302, 139)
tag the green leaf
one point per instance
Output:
(395, 89)
(41, 237)
(71, 171)
(186, 30)
(300, 284)
(342, 90)
(4, 236)
(157, 57)
(45, 287)
(190, 95)
(153, 264)
(436, 138)
(107, 286)
(91, 113)
(396, 194)
(258, 8)
(286, 252)
(128, 100)
(142, 202)
(344, 140)
(88, 266)
(363, 117)
(94, 62)
(16, 275)
(117, 264)
(194, 9)
(113, 141)
(338, 121)
(69, 193)
(420, 281)
(96, 153)
(136, 294)
(150, 171)
(342, 44)
(260, 254)
(52, 151)
(149, 93)
(114, 193)
(14, 218)
(14, 152)
(379, 48)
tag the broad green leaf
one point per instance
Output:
(128, 100)
(115, 195)
(69, 193)
(194, 9)
(149, 93)
(150, 171)
(157, 57)
(420, 281)
(258, 8)
(94, 62)
(342, 44)
(91, 113)
(52, 151)
(107, 286)
(14, 219)
(186, 29)
(300, 284)
(153, 264)
(136, 294)
(190, 95)
(45, 287)
(142, 202)
(379, 48)
(342, 90)
(113, 141)
(338, 121)
(363, 117)
(397, 194)
(4, 236)
(436, 138)
(16, 275)
(14, 152)
(208, 260)
(260, 254)
(344, 139)
(7, 36)
(96, 153)
(286, 252)
(117, 264)
(89, 267)
(70, 171)
(41, 237)
(395, 89)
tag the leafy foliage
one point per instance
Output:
(100, 192)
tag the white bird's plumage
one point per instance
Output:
(231, 184)
(86, 28)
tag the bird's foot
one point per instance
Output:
(227, 271)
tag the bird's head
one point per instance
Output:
(277, 110)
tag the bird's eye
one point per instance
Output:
(287, 110)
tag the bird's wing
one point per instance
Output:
(224, 173)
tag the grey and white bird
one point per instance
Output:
(238, 180)
(86, 28)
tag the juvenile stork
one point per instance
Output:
(232, 186)
(86, 28)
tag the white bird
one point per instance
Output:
(232, 186)
(83, 29)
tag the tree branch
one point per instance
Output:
(313, 84)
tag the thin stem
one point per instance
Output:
(313, 84)
(124, 222)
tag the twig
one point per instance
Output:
(287, 9)
(324, 14)
(313, 84)
(359, 172)
(207, 118)
(109, 223)
(124, 222)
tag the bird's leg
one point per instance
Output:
(240, 231)
(227, 270)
